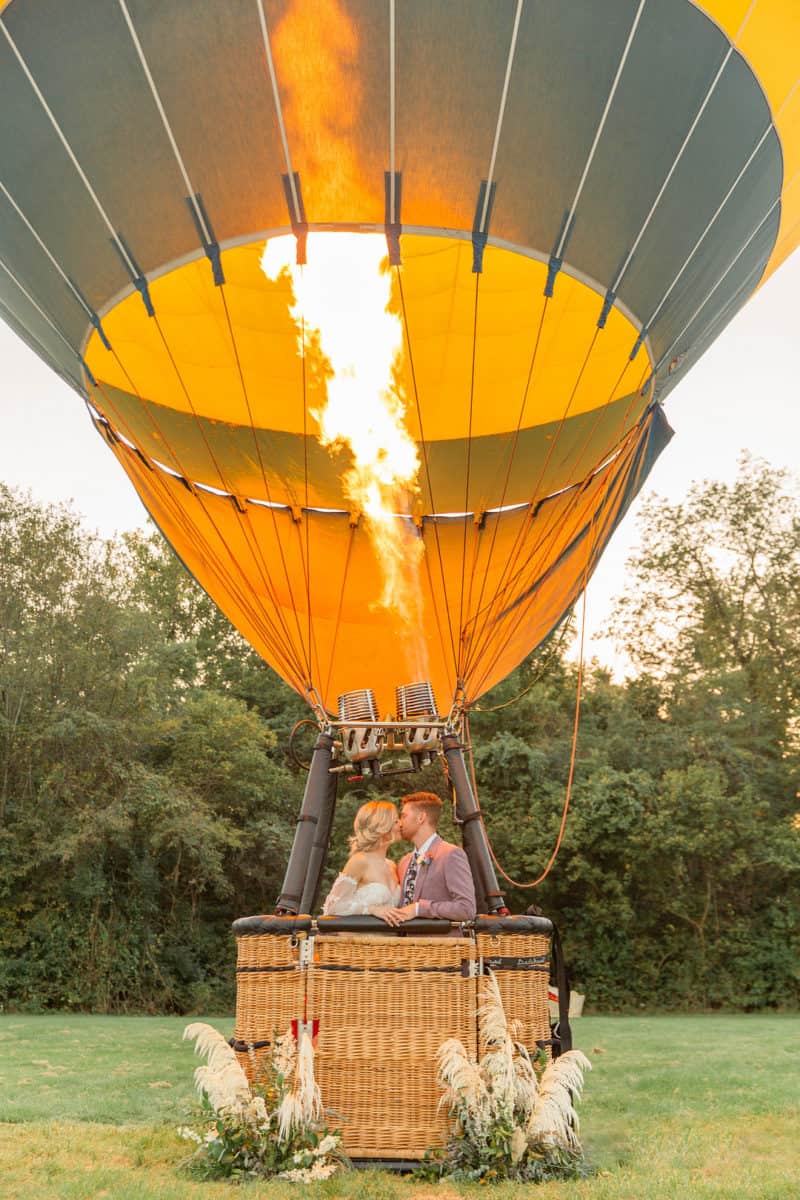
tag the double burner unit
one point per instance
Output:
(418, 728)
(355, 743)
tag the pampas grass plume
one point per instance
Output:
(221, 1078)
(554, 1118)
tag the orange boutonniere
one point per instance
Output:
(426, 860)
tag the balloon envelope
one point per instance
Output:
(576, 199)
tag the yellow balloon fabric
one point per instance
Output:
(574, 198)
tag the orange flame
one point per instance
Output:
(342, 304)
(316, 50)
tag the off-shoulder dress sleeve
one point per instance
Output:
(341, 900)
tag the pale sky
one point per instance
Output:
(743, 394)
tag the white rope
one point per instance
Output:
(729, 304)
(695, 248)
(279, 110)
(721, 279)
(392, 103)
(51, 257)
(600, 128)
(671, 172)
(39, 309)
(501, 113)
(59, 131)
(165, 122)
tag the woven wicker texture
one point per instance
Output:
(384, 1006)
(522, 967)
(270, 991)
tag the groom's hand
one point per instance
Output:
(396, 916)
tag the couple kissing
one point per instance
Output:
(434, 880)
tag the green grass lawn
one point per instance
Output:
(701, 1106)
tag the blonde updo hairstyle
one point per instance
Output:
(372, 822)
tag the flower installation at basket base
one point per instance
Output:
(514, 1117)
(270, 1128)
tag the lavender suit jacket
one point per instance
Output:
(445, 888)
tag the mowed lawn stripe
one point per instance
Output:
(676, 1107)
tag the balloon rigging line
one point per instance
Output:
(620, 274)
(307, 562)
(523, 405)
(219, 471)
(117, 240)
(770, 127)
(788, 232)
(649, 322)
(509, 567)
(490, 175)
(426, 461)
(298, 214)
(557, 644)
(572, 759)
(40, 310)
(619, 432)
(442, 643)
(535, 562)
(337, 623)
(735, 299)
(283, 651)
(53, 260)
(16, 322)
(257, 446)
(654, 206)
(392, 114)
(620, 440)
(566, 227)
(510, 564)
(214, 564)
(191, 193)
(461, 648)
(543, 551)
(520, 612)
(667, 353)
(190, 529)
(507, 625)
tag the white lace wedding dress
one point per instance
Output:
(347, 899)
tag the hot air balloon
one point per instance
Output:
(511, 230)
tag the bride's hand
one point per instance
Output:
(378, 910)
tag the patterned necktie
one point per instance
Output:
(410, 881)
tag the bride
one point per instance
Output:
(368, 884)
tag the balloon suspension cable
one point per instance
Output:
(570, 777)
(314, 702)
(554, 649)
(458, 708)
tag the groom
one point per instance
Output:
(435, 879)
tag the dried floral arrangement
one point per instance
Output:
(274, 1128)
(513, 1118)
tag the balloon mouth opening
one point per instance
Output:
(218, 408)
(219, 385)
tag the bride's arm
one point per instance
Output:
(341, 899)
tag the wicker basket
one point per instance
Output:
(270, 993)
(379, 1007)
(384, 1007)
(521, 964)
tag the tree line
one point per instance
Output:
(147, 797)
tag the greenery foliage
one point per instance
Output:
(146, 797)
